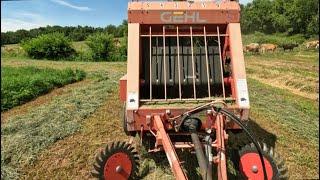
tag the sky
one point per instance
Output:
(29, 14)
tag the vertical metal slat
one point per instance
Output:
(150, 65)
(223, 90)
(193, 70)
(179, 73)
(207, 61)
(164, 62)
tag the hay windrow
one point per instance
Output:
(22, 84)
(23, 137)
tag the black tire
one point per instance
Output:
(279, 169)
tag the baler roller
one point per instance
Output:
(182, 66)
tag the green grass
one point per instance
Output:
(297, 114)
(20, 85)
(278, 39)
(297, 71)
(25, 136)
(59, 139)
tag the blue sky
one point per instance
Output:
(30, 14)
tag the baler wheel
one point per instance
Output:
(117, 161)
(250, 165)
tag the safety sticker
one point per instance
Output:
(133, 100)
(243, 95)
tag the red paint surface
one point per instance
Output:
(250, 159)
(118, 159)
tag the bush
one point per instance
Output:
(123, 47)
(278, 39)
(83, 56)
(22, 84)
(53, 46)
(102, 46)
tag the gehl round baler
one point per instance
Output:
(186, 88)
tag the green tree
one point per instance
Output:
(101, 45)
(53, 46)
(284, 16)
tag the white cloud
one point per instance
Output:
(64, 3)
(28, 15)
(22, 20)
(9, 24)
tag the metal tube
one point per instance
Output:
(221, 62)
(222, 166)
(164, 62)
(208, 148)
(207, 62)
(169, 149)
(179, 73)
(150, 66)
(187, 100)
(193, 70)
(183, 35)
(201, 158)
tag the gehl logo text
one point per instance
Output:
(181, 17)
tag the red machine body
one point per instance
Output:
(186, 87)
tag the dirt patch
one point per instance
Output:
(20, 110)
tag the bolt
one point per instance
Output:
(119, 169)
(254, 169)
(209, 130)
(168, 112)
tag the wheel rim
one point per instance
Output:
(118, 166)
(251, 166)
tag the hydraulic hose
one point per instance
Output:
(256, 144)
(201, 158)
(208, 150)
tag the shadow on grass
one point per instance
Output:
(158, 160)
(238, 139)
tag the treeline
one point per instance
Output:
(79, 33)
(267, 16)
(281, 16)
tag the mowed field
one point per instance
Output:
(57, 135)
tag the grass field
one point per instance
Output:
(57, 135)
(22, 84)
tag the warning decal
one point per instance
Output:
(133, 100)
(243, 95)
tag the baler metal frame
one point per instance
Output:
(151, 109)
